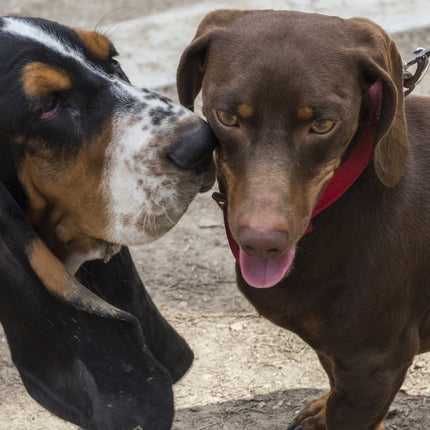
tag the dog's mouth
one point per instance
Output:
(265, 272)
(257, 272)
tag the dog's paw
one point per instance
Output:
(312, 417)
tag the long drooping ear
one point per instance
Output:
(192, 65)
(85, 359)
(380, 60)
(119, 283)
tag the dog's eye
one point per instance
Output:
(322, 126)
(50, 109)
(227, 118)
(115, 64)
(116, 69)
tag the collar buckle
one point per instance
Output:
(221, 199)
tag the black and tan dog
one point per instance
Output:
(89, 163)
(312, 123)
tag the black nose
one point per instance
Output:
(193, 148)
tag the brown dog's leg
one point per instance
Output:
(313, 416)
(328, 366)
(314, 412)
(358, 400)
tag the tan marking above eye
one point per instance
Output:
(42, 80)
(322, 126)
(305, 113)
(226, 118)
(97, 43)
(245, 111)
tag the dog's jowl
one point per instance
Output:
(88, 164)
(325, 166)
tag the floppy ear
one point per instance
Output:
(381, 60)
(118, 282)
(86, 360)
(192, 65)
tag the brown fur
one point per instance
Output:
(96, 42)
(245, 111)
(305, 112)
(357, 291)
(49, 269)
(65, 202)
(41, 80)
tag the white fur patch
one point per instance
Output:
(22, 28)
(25, 29)
(147, 194)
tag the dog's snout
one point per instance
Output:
(193, 148)
(263, 243)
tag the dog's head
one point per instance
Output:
(287, 95)
(94, 161)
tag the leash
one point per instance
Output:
(421, 60)
(343, 178)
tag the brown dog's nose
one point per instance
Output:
(193, 148)
(263, 243)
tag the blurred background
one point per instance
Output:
(151, 34)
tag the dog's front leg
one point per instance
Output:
(362, 389)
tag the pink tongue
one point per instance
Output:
(264, 272)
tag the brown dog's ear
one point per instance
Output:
(192, 65)
(381, 60)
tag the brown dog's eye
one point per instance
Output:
(227, 118)
(322, 126)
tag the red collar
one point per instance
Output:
(345, 175)
(358, 160)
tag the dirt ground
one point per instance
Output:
(247, 373)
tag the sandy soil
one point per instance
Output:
(247, 374)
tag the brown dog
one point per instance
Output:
(310, 114)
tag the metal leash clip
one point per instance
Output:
(421, 59)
